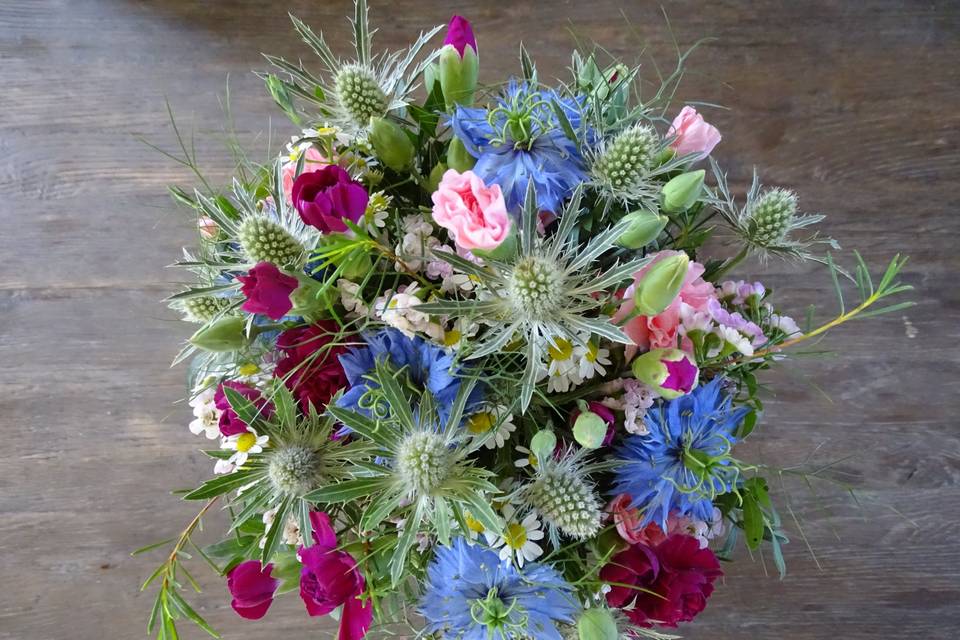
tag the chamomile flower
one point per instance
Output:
(243, 444)
(593, 359)
(494, 423)
(206, 415)
(528, 459)
(731, 338)
(475, 528)
(377, 210)
(518, 538)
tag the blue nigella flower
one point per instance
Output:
(428, 366)
(472, 595)
(521, 139)
(684, 462)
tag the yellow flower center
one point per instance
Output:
(248, 369)
(532, 459)
(515, 536)
(592, 351)
(481, 422)
(473, 524)
(560, 350)
(245, 441)
(451, 337)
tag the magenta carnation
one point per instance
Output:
(252, 588)
(460, 34)
(327, 196)
(230, 422)
(268, 290)
(310, 366)
(330, 578)
(665, 584)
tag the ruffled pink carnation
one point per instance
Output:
(660, 331)
(693, 134)
(313, 160)
(473, 213)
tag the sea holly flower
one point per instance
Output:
(692, 134)
(268, 290)
(475, 214)
(252, 587)
(684, 462)
(520, 140)
(327, 197)
(330, 579)
(471, 593)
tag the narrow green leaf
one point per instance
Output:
(275, 534)
(151, 547)
(377, 431)
(347, 490)
(219, 485)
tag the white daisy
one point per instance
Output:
(243, 444)
(377, 210)
(492, 418)
(206, 415)
(518, 538)
(475, 528)
(528, 459)
(562, 367)
(592, 359)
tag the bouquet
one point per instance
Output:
(463, 368)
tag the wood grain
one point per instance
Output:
(856, 105)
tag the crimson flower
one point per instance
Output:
(268, 290)
(324, 198)
(252, 588)
(310, 367)
(230, 422)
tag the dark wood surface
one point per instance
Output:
(854, 104)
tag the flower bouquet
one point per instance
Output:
(462, 366)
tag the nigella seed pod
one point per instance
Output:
(597, 624)
(565, 499)
(204, 308)
(264, 240)
(359, 94)
(628, 157)
(769, 218)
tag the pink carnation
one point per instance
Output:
(473, 213)
(660, 331)
(693, 134)
(313, 160)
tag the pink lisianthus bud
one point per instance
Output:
(693, 134)
(474, 214)
(252, 588)
(330, 578)
(460, 35)
(313, 160)
(268, 290)
(326, 197)
(207, 227)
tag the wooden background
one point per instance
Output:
(854, 104)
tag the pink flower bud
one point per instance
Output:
(693, 134)
(460, 35)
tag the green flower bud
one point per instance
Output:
(770, 217)
(660, 284)
(631, 154)
(458, 157)
(359, 94)
(458, 75)
(681, 192)
(589, 430)
(392, 144)
(226, 334)
(671, 372)
(543, 443)
(436, 175)
(597, 624)
(644, 228)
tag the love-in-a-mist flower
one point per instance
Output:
(267, 290)
(252, 586)
(471, 594)
(475, 214)
(327, 197)
(692, 134)
(331, 579)
(517, 542)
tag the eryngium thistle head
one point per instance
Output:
(359, 94)
(628, 157)
(770, 217)
(566, 500)
(423, 462)
(536, 288)
(294, 470)
(264, 240)
(204, 308)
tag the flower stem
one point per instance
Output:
(730, 264)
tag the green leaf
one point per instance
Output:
(219, 485)
(752, 521)
(275, 534)
(481, 510)
(396, 399)
(405, 542)
(192, 615)
(243, 407)
(441, 520)
(746, 427)
(347, 490)
(564, 122)
(377, 431)
(379, 508)
(151, 547)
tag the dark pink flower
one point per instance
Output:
(252, 588)
(330, 578)
(230, 422)
(327, 196)
(681, 375)
(666, 584)
(460, 35)
(268, 291)
(310, 366)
